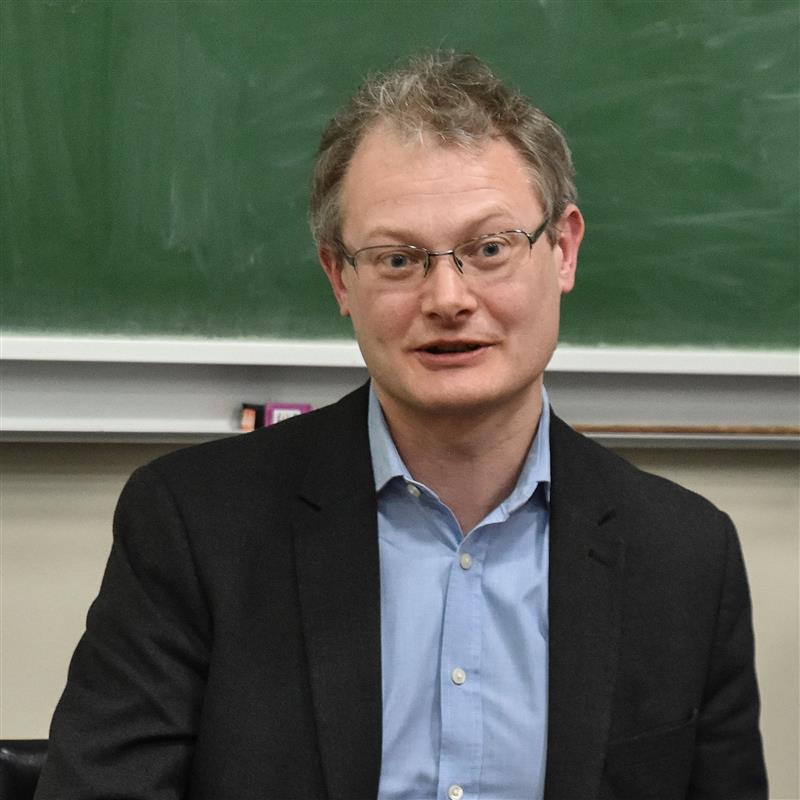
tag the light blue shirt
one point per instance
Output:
(463, 634)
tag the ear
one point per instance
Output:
(334, 267)
(570, 227)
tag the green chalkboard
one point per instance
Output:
(156, 158)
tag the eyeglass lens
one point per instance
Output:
(493, 255)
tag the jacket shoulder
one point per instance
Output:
(278, 453)
(633, 491)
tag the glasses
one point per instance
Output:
(493, 256)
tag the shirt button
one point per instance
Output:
(465, 560)
(458, 676)
(455, 792)
(412, 490)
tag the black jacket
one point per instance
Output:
(234, 648)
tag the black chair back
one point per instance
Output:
(21, 762)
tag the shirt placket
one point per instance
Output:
(461, 749)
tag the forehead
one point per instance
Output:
(421, 185)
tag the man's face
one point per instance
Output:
(419, 343)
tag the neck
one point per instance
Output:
(471, 460)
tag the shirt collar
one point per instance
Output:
(387, 463)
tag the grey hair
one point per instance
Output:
(456, 98)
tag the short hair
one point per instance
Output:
(457, 98)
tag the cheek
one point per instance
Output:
(531, 310)
(382, 318)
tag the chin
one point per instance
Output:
(467, 401)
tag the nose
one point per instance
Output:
(445, 291)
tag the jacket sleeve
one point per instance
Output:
(728, 761)
(128, 717)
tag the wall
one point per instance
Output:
(56, 502)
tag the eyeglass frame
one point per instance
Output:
(533, 237)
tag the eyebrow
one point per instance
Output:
(478, 227)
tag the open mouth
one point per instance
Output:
(457, 347)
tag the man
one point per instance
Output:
(434, 588)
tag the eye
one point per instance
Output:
(491, 249)
(486, 249)
(398, 259)
(492, 252)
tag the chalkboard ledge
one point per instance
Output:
(345, 353)
(180, 390)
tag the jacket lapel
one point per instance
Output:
(336, 548)
(585, 581)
